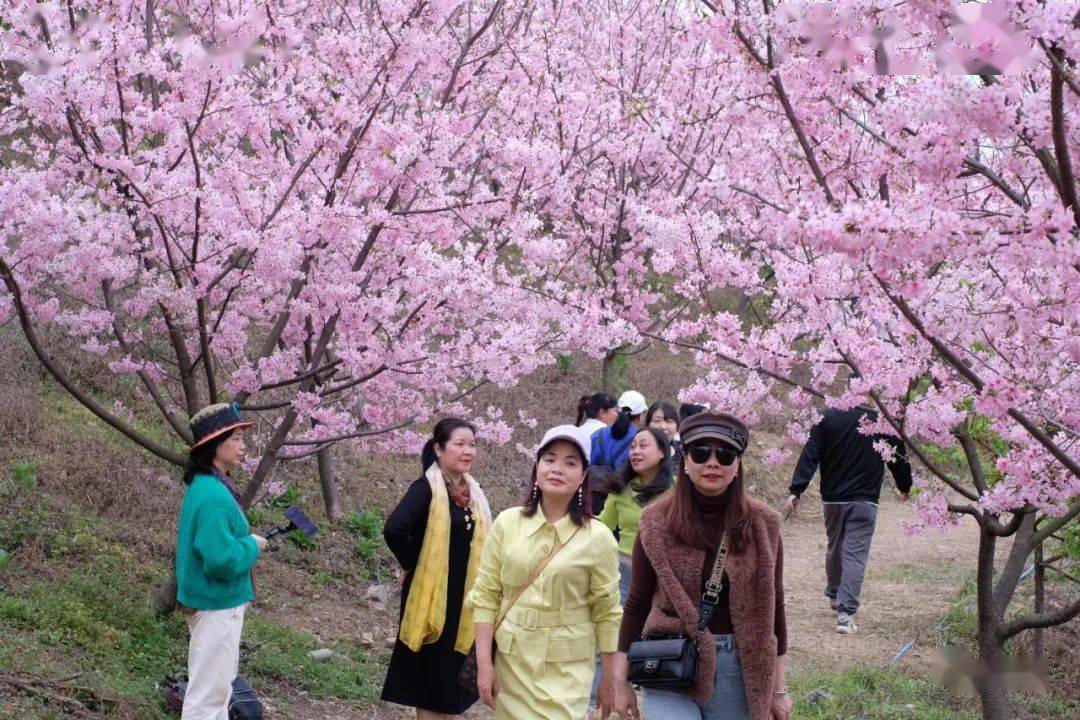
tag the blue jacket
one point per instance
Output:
(608, 451)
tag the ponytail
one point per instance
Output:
(622, 425)
(582, 408)
(440, 435)
(427, 455)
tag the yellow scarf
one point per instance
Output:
(425, 610)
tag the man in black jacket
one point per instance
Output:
(851, 475)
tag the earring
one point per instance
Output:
(581, 494)
(535, 492)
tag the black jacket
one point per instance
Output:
(851, 469)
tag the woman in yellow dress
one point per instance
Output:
(547, 630)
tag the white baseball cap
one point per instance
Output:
(634, 400)
(571, 433)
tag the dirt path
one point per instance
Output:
(909, 583)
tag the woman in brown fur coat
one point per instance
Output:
(740, 672)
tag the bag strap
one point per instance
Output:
(618, 452)
(533, 576)
(713, 586)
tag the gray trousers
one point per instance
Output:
(850, 527)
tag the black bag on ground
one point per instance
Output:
(243, 705)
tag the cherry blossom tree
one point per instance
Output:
(303, 207)
(921, 230)
(345, 217)
(612, 124)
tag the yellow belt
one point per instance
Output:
(529, 618)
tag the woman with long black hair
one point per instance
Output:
(215, 553)
(663, 416)
(645, 476)
(437, 532)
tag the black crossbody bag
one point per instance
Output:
(670, 661)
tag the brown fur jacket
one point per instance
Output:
(751, 575)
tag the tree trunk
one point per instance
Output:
(328, 483)
(1040, 599)
(610, 371)
(995, 705)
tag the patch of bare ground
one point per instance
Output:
(910, 582)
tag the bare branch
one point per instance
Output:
(177, 424)
(1039, 620)
(83, 397)
(1054, 524)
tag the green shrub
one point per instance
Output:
(22, 475)
(291, 496)
(366, 526)
(367, 523)
(257, 517)
(300, 540)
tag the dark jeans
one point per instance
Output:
(850, 527)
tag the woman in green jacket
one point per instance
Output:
(214, 556)
(646, 475)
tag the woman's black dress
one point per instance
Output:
(428, 679)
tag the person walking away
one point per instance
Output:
(437, 533)
(852, 471)
(548, 593)
(215, 554)
(596, 412)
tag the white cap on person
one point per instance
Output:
(571, 433)
(634, 401)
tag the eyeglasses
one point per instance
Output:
(700, 452)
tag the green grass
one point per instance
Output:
(961, 622)
(872, 694)
(101, 625)
(281, 653)
(61, 409)
(909, 572)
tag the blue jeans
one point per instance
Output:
(624, 577)
(728, 701)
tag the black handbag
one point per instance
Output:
(670, 661)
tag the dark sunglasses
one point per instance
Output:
(699, 453)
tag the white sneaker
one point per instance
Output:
(845, 624)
